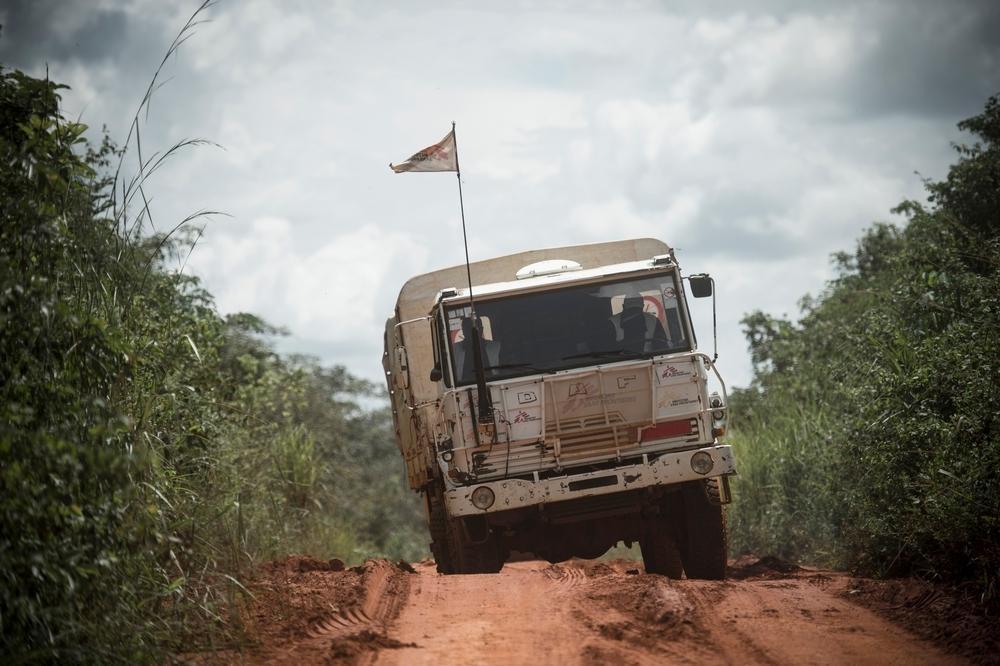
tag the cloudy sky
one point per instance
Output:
(755, 137)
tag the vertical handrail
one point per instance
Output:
(555, 406)
(604, 410)
(542, 407)
(722, 382)
(653, 406)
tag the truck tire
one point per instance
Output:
(472, 558)
(703, 543)
(438, 524)
(660, 554)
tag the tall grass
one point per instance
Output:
(784, 501)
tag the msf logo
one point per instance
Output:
(523, 417)
(671, 371)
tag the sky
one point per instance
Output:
(756, 138)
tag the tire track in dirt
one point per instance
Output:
(603, 613)
(525, 614)
(346, 636)
(308, 613)
(342, 623)
(576, 612)
(790, 617)
(565, 578)
(383, 596)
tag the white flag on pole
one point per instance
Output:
(439, 157)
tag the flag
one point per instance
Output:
(439, 157)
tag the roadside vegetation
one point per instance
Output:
(870, 437)
(151, 449)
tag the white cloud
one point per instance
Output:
(593, 220)
(328, 293)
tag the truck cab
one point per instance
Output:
(565, 409)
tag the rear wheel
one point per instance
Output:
(703, 544)
(660, 554)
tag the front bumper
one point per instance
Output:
(516, 493)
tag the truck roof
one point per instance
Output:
(420, 292)
(562, 277)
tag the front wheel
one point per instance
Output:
(438, 524)
(660, 554)
(473, 557)
(703, 544)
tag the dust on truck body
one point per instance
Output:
(603, 429)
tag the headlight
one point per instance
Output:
(701, 463)
(483, 497)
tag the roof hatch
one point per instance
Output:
(548, 267)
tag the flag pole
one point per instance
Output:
(485, 416)
(461, 206)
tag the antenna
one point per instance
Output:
(485, 416)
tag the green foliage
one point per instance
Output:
(151, 449)
(786, 504)
(870, 435)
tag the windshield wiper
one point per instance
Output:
(509, 366)
(607, 353)
(604, 353)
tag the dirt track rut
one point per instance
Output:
(574, 613)
(583, 613)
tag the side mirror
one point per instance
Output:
(436, 374)
(701, 285)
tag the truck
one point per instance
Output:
(554, 403)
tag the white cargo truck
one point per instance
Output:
(582, 418)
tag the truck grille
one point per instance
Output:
(573, 425)
(580, 447)
(595, 442)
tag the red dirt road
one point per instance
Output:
(598, 614)
(573, 613)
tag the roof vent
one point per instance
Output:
(548, 267)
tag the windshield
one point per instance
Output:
(571, 327)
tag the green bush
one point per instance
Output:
(869, 437)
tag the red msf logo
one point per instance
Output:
(670, 371)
